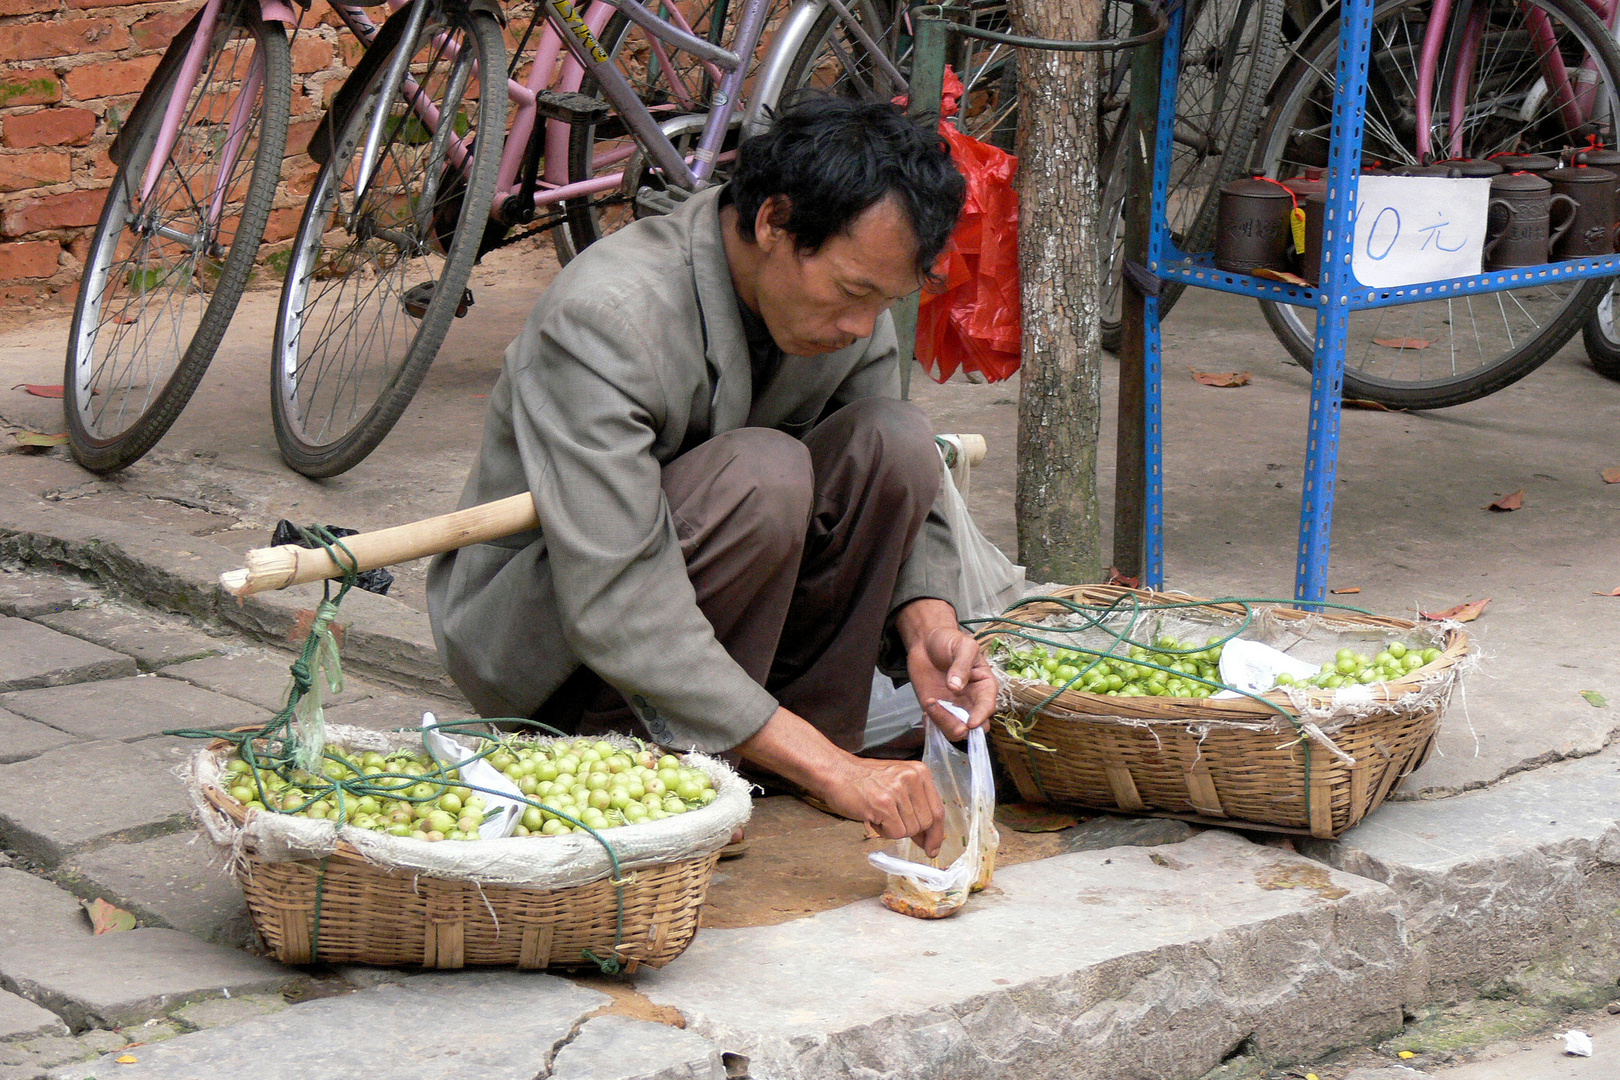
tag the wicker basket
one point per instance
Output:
(346, 908)
(1227, 761)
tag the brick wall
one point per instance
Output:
(69, 71)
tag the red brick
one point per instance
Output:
(70, 210)
(298, 136)
(107, 78)
(98, 164)
(283, 223)
(156, 31)
(49, 127)
(33, 41)
(107, 3)
(35, 86)
(302, 103)
(310, 54)
(351, 50)
(20, 171)
(36, 259)
(23, 7)
(300, 179)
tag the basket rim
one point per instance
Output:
(1047, 697)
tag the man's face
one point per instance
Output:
(826, 301)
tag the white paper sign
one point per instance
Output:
(1411, 229)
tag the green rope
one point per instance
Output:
(320, 894)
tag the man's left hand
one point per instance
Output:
(945, 664)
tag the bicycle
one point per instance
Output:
(1489, 78)
(198, 158)
(607, 126)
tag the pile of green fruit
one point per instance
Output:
(1349, 667)
(404, 793)
(1127, 676)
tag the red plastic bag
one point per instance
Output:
(973, 320)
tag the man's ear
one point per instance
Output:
(767, 234)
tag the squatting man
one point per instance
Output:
(737, 514)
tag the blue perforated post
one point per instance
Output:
(1333, 304)
(1153, 373)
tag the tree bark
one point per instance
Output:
(1059, 407)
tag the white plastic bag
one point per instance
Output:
(481, 774)
(934, 888)
(989, 581)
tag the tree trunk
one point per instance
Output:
(1059, 407)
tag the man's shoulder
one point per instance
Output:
(643, 270)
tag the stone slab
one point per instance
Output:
(153, 643)
(1510, 886)
(88, 795)
(25, 594)
(171, 881)
(620, 1048)
(1175, 955)
(385, 710)
(35, 1056)
(115, 980)
(22, 1019)
(32, 655)
(463, 1026)
(131, 709)
(259, 676)
(32, 908)
(223, 1012)
(21, 738)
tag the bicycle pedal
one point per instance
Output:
(660, 200)
(570, 108)
(416, 299)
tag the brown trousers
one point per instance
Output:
(794, 549)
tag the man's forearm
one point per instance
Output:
(913, 621)
(791, 748)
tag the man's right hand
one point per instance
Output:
(897, 798)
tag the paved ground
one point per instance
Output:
(1212, 954)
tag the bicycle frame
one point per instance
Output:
(1574, 105)
(567, 49)
(271, 11)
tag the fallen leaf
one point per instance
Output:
(1611, 475)
(1369, 406)
(39, 438)
(1508, 502)
(1033, 818)
(40, 391)
(1595, 699)
(126, 1059)
(1115, 577)
(1461, 613)
(1612, 592)
(1345, 592)
(106, 919)
(1402, 342)
(1223, 378)
(1281, 275)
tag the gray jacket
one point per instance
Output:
(634, 353)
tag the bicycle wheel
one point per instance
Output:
(677, 93)
(1602, 338)
(1476, 344)
(376, 274)
(163, 274)
(1229, 55)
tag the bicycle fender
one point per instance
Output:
(154, 94)
(347, 100)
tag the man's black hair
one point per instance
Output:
(833, 158)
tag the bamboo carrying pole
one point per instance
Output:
(289, 564)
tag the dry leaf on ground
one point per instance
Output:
(1402, 342)
(39, 438)
(105, 918)
(1369, 406)
(1221, 378)
(1461, 613)
(1612, 592)
(39, 390)
(1595, 699)
(1345, 591)
(1116, 577)
(1611, 475)
(1033, 818)
(1508, 502)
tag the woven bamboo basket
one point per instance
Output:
(347, 908)
(1223, 761)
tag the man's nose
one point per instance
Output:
(859, 322)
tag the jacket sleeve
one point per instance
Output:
(932, 569)
(586, 409)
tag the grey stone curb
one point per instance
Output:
(178, 572)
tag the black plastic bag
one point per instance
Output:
(376, 581)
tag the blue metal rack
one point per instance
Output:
(1338, 295)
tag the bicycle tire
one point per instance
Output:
(133, 316)
(1542, 318)
(1602, 338)
(1223, 42)
(588, 219)
(336, 393)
